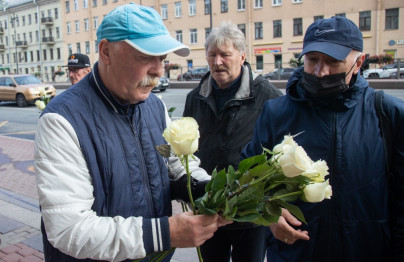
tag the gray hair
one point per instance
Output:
(227, 32)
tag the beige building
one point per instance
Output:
(274, 29)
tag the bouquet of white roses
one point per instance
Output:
(265, 183)
(43, 101)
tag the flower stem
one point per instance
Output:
(191, 199)
(296, 193)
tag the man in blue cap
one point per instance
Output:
(104, 190)
(332, 108)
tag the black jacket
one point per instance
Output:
(223, 135)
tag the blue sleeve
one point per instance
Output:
(156, 234)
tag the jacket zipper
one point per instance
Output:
(144, 173)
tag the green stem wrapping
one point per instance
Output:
(191, 199)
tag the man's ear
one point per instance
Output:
(104, 49)
(359, 63)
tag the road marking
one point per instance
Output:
(3, 123)
(18, 133)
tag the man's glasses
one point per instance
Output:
(73, 70)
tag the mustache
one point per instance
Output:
(149, 81)
(219, 68)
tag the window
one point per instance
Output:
(193, 36)
(241, 27)
(178, 9)
(56, 13)
(87, 47)
(340, 14)
(277, 28)
(178, 35)
(207, 7)
(85, 3)
(57, 33)
(37, 35)
(391, 19)
(318, 17)
(86, 24)
(94, 3)
(68, 28)
(58, 52)
(69, 49)
(76, 4)
(297, 26)
(364, 20)
(78, 48)
(44, 54)
(276, 2)
(51, 53)
(30, 37)
(23, 21)
(207, 32)
(297, 1)
(258, 30)
(49, 13)
(95, 22)
(260, 62)
(32, 56)
(29, 19)
(240, 4)
(164, 11)
(104, 2)
(192, 7)
(96, 46)
(258, 3)
(224, 6)
(77, 25)
(67, 3)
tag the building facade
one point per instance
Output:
(31, 40)
(46, 32)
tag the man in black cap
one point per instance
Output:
(333, 109)
(78, 65)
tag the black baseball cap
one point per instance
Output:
(336, 37)
(78, 60)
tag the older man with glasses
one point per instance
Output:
(78, 65)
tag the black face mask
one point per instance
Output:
(327, 86)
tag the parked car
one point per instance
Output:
(23, 89)
(383, 72)
(193, 74)
(164, 83)
(283, 73)
(394, 75)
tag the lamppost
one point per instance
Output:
(13, 19)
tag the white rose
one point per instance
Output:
(294, 161)
(182, 134)
(317, 171)
(317, 192)
(42, 91)
(40, 105)
(285, 145)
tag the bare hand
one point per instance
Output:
(283, 230)
(188, 230)
(221, 221)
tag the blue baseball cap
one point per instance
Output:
(336, 37)
(142, 28)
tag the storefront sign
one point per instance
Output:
(268, 50)
(396, 42)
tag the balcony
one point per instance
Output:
(2, 48)
(50, 40)
(23, 44)
(47, 20)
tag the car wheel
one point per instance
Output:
(373, 76)
(21, 101)
(162, 89)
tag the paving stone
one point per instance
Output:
(10, 249)
(7, 224)
(26, 251)
(31, 258)
(14, 257)
(34, 242)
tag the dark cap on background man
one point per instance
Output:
(336, 37)
(142, 28)
(78, 60)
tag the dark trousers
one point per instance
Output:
(244, 245)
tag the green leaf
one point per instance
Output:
(247, 218)
(219, 181)
(218, 196)
(246, 178)
(231, 207)
(294, 210)
(202, 209)
(247, 163)
(251, 193)
(273, 208)
(231, 176)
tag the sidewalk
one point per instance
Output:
(20, 235)
(20, 218)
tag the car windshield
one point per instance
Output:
(26, 80)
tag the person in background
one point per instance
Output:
(104, 190)
(78, 66)
(331, 110)
(226, 105)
